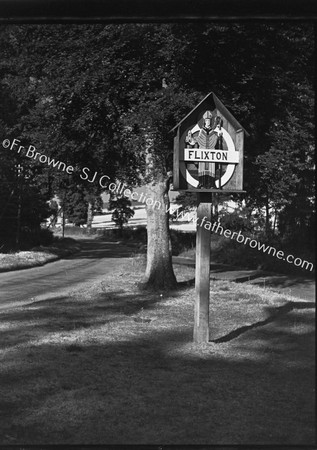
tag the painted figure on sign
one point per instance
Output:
(190, 141)
(209, 137)
(218, 126)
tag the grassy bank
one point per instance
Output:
(228, 251)
(38, 256)
(110, 364)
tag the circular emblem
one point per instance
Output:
(198, 138)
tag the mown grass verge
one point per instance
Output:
(38, 256)
(108, 364)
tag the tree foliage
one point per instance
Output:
(92, 96)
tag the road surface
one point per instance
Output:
(96, 258)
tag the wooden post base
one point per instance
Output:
(202, 275)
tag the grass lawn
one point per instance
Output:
(38, 256)
(112, 365)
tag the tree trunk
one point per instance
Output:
(267, 218)
(17, 236)
(120, 228)
(159, 270)
(215, 206)
(90, 215)
(274, 223)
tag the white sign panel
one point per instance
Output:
(204, 155)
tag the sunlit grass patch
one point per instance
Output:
(38, 255)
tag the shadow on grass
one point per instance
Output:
(283, 281)
(136, 391)
(150, 383)
(63, 313)
(274, 314)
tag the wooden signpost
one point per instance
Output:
(208, 158)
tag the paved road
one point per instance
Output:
(95, 259)
(98, 258)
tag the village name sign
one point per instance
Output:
(208, 158)
(208, 149)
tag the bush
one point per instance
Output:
(236, 221)
(182, 241)
(122, 211)
(34, 238)
(229, 251)
(28, 240)
(77, 231)
(138, 234)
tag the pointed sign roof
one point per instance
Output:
(221, 107)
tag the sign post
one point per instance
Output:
(202, 271)
(208, 158)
